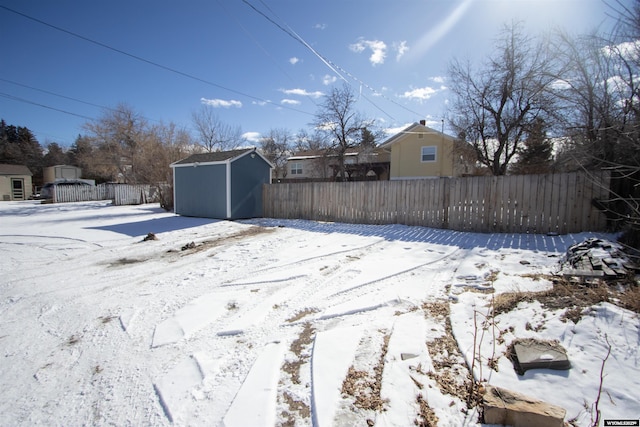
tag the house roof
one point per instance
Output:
(414, 128)
(316, 154)
(14, 170)
(218, 157)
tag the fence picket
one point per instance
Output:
(121, 194)
(525, 203)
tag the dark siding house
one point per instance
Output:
(221, 185)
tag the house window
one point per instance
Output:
(296, 169)
(429, 154)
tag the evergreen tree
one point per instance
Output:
(535, 156)
(18, 146)
(55, 155)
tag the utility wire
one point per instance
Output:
(339, 71)
(262, 48)
(115, 110)
(56, 94)
(15, 98)
(141, 59)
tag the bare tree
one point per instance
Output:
(495, 106)
(117, 136)
(586, 100)
(340, 124)
(213, 133)
(600, 96)
(276, 147)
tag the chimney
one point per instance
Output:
(423, 122)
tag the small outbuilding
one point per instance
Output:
(221, 185)
(61, 172)
(15, 182)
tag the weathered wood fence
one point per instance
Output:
(121, 194)
(555, 203)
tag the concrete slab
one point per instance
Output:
(538, 354)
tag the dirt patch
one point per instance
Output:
(125, 261)
(450, 370)
(294, 405)
(292, 368)
(193, 247)
(426, 416)
(304, 339)
(438, 309)
(301, 314)
(365, 387)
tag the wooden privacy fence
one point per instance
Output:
(121, 194)
(556, 203)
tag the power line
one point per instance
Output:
(330, 64)
(115, 110)
(15, 98)
(141, 59)
(56, 94)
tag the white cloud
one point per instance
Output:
(401, 48)
(422, 93)
(252, 136)
(260, 103)
(560, 84)
(628, 50)
(378, 50)
(302, 92)
(294, 60)
(328, 80)
(290, 102)
(438, 79)
(320, 26)
(217, 103)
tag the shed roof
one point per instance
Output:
(14, 170)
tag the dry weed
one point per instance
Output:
(630, 298)
(562, 295)
(294, 405)
(365, 388)
(426, 416)
(450, 371)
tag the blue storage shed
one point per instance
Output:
(221, 185)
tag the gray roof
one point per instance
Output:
(216, 156)
(14, 170)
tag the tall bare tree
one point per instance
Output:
(600, 96)
(340, 125)
(118, 135)
(494, 106)
(213, 133)
(276, 146)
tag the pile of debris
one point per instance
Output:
(597, 259)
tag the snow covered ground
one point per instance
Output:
(280, 322)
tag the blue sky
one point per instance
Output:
(62, 61)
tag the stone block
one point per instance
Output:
(502, 406)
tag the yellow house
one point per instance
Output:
(15, 182)
(420, 152)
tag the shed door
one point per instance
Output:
(17, 188)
